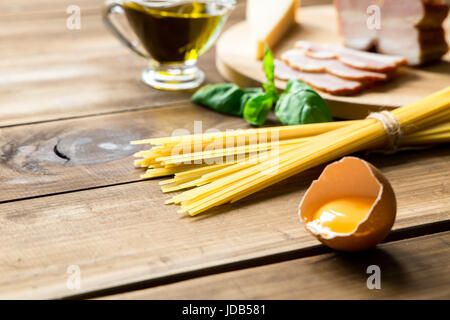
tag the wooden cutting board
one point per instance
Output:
(318, 23)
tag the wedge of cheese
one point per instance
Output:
(269, 20)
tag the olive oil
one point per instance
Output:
(175, 33)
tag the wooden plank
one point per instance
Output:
(25, 7)
(30, 9)
(415, 268)
(124, 234)
(51, 72)
(90, 152)
(75, 154)
(75, 73)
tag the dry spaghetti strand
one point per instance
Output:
(260, 162)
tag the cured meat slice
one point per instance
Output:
(412, 28)
(297, 59)
(319, 80)
(354, 58)
(353, 20)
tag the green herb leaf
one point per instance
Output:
(254, 103)
(248, 94)
(257, 108)
(224, 98)
(300, 104)
(269, 70)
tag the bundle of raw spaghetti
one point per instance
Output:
(228, 166)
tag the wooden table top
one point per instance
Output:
(72, 204)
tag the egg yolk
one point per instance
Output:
(344, 214)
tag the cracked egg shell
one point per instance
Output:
(351, 177)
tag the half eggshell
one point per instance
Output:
(351, 176)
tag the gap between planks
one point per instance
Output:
(128, 224)
(70, 191)
(408, 269)
(394, 236)
(72, 230)
(175, 103)
(77, 73)
(27, 153)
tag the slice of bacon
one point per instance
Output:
(319, 80)
(298, 60)
(353, 58)
(409, 28)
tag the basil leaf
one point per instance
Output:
(258, 103)
(257, 108)
(248, 94)
(300, 104)
(224, 98)
(269, 70)
(254, 103)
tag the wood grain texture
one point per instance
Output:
(51, 72)
(74, 154)
(125, 234)
(90, 152)
(117, 229)
(236, 62)
(23, 9)
(415, 268)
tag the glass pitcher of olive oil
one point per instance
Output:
(171, 36)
